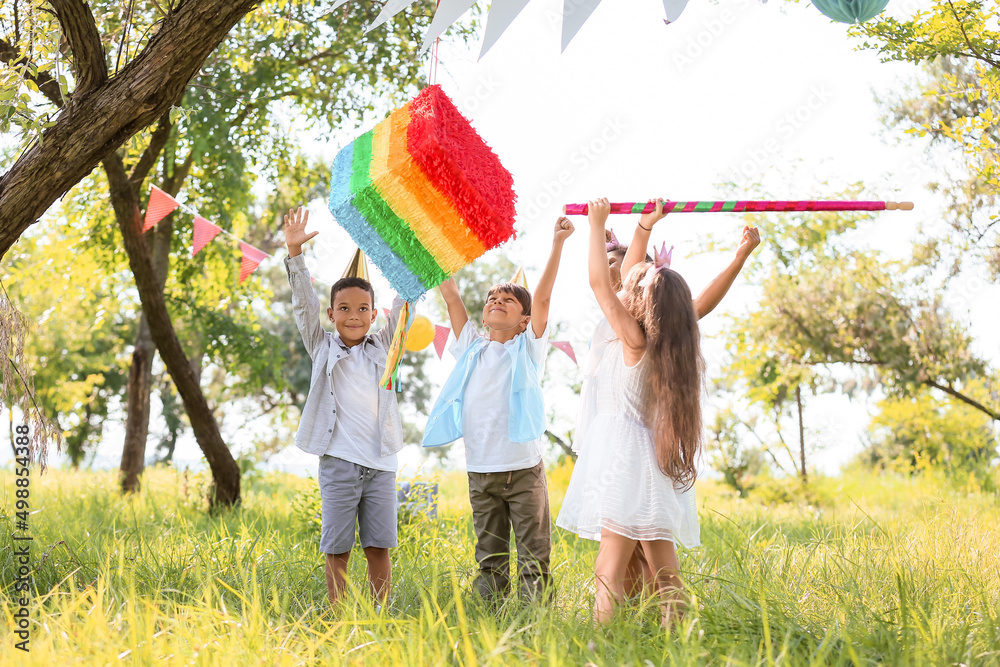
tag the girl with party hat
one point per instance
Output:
(493, 401)
(349, 420)
(638, 574)
(640, 434)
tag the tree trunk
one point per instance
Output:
(103, 114)
(140, 380)
(802, 435)
(225, 471)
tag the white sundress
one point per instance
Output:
(616, 483)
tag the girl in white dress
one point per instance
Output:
(638, 575)
(641, 431)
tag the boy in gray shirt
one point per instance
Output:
(348, 419)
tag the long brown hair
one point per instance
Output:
(674, 368)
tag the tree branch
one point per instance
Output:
(93, 125)
(156, 143)
(965, 399)
(46, 84)
(319, 56)
(968, 42)
(80, 29)
(555, 439)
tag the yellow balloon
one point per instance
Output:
(420, 335)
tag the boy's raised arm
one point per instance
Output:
(710, 297)
(457, 313)
(542, 299)
(384, 334)
(305, 304)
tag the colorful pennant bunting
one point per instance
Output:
(204, 231)
(566, 347)
(440, 339)
(252, 257)
(160, 206)
(503, 12)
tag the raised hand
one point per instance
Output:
(564, 229)
(749, 241)
(647, 220)
(295, 230)
(598, 211)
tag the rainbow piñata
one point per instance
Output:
(422, 194)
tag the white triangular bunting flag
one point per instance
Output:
(448, 11)
(575, 14)
(673, 8)
(389, 9)
(501, 15)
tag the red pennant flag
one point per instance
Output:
(440, 338)
(566, 347)
(160, 205)
(386, 311)
(252, 257)
(204, 231)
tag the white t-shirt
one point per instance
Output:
(486, 405)
(355, 433)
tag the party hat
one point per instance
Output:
(612, 241)
(357, 267)
(520, 279)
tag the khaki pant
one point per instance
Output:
(502, 501)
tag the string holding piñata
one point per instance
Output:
(422, 195)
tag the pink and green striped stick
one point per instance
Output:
(757, 206)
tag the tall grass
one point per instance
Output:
(872, 570)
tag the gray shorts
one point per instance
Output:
(355, 495)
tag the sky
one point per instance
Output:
(735, 90)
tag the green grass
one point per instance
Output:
(874, 570)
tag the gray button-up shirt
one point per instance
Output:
(319, 415)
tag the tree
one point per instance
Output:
(924, 431)
(739, 463)
(827, 307)
(102, 111)
(273, 57)
(956, 105)
(80, 364)
(860, 310)
(771, 370)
